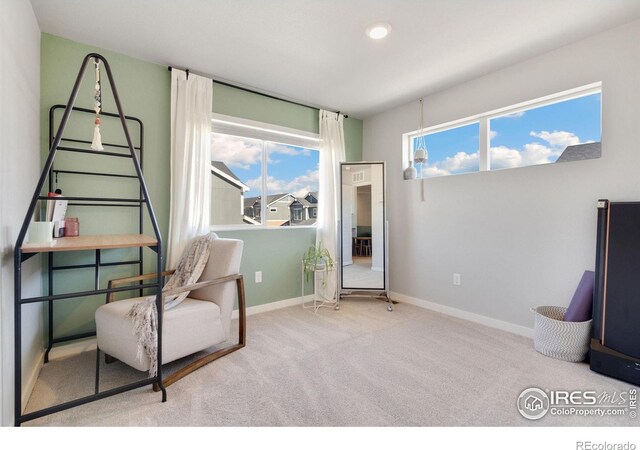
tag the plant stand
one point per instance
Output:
(319, 275)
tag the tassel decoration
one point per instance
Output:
(96, 143)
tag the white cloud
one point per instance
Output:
(298, 186)
(235, 152)
(492, 134)
(288, 150)
(514, 115)
(557, 139)
(531, 154)
(460, 162)
(243, 153)
(255, 183)
(503, 157)
(534, 152)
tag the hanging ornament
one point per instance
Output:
(421, 154)
(96, 144)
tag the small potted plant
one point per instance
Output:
(316, 258)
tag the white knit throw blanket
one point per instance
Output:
(144, 313)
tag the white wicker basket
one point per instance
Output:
(568, 341)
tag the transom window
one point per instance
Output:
(261, 167)
(559, 128)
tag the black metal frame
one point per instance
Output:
(18, 256)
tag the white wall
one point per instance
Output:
(519, 237)
(19, 171)
(377, 222)
(347, 218)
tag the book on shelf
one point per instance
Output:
(56, 211)
(51, 205)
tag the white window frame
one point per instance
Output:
(267, 133)
(484, 118)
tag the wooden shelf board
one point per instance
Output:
(67, 244)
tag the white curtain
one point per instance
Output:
(331, 155)
(189, 216)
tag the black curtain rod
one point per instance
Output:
(261, 93)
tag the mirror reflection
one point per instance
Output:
(362, 229)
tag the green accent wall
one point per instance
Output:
(144, 90)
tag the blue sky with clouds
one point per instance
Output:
(290, 169)
(535, 136)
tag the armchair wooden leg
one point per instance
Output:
(242, 336)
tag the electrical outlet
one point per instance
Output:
(457, 280)
(259, 277)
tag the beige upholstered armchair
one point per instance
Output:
(201, 321)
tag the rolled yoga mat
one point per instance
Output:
(581, 306)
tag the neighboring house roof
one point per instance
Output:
(580, 152)
(275, 197)
(307, 204)
(312, 194)
(221, 169)
(248, 202)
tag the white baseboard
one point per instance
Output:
(30, 383)
(258, 309)
(73, 348)
(466, 315)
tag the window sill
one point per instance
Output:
(223, 228)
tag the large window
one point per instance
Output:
(562, 131)
(558, 128)
(262, 175)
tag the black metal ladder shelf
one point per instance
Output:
(23, 251)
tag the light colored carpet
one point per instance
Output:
(360, 275)
(360, 366)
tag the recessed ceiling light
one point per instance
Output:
(378, 30)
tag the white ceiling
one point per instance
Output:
(316, 52)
